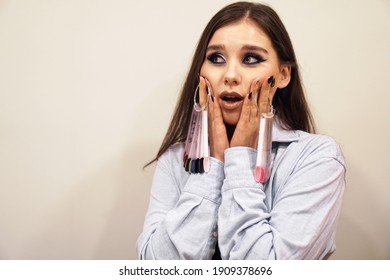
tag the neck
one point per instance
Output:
(230, 131)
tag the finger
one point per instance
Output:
(214, 112)
(210, 106)
(217, 113)
(201, 99)
(217, 130)
(264, 102)
(246, 108)
(255, 87)
(249, 111)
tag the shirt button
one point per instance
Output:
(215, 233)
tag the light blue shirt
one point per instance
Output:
(293, 216)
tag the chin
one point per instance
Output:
(231, 121)
(231, 117)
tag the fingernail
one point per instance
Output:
(250, 95)
(257, 82)
(271, 81)
(212, 98)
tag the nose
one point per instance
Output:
(232, 75)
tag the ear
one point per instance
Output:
(284, 76)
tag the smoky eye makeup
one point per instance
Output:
(252, 58)
(216, 58)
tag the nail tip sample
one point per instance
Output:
(206, 164)
(260, 174)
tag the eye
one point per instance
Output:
(252, 58)
(216, 58)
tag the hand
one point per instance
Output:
(257, 102)
(217, 130)
(247, 130)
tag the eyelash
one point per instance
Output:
(215, 56)
(258, 58)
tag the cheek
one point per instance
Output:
(206, 72)
(262, 75)
(210, 74)
(249, 79)
(202, 70)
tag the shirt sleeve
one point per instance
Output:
(181, 222)
(299, 223)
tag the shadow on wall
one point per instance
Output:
(126, 218)
(102, 217)
(361, 234)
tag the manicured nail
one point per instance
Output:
(271, 81)
(212, 98)
(250, 95)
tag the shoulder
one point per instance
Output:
(297, 144)
(173, 156)
(319, 146)
(310, 160)
(171, 163)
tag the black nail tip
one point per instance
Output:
(250, 95)
(193, 166)
(201, 165)
(271, 81)
(197, 166)
(188, 164)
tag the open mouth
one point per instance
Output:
(232, 99)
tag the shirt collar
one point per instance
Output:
(280, 134)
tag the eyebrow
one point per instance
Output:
(245, 47)
(254, 48)
(215, 47)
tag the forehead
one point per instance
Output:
(243, 32)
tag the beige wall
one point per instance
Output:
(87, 89)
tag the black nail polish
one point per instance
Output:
(212, 98)
(193, 166)
(273, 82)
(270, 79)
(201, 167)
(250, 95)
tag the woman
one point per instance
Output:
(246, 61)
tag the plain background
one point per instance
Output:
(88, 87)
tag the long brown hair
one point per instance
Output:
(290, 103)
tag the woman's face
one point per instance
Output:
(237, 54)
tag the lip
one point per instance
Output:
(231, 100)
